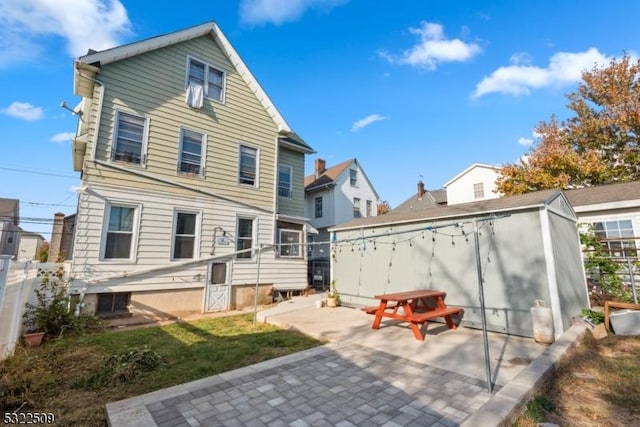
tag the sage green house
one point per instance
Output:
(187, 169)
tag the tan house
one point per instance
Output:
(188, 170)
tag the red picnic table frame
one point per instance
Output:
(416, 309)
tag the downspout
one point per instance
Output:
(94, 145)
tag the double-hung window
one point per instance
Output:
(318, 207)
(284, 181)
(356, 208)
(119, 238)
(353, 177)
(129, 142)
(244, 237)
(613, 233)
(192, 152)
(184, 235)
(210, 78)
(369, 204)
(478, 191)
(290, 243)
(248, 167)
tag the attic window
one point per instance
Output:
(210, 78)
(478, 191)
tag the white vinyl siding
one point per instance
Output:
(193, 147)
(130, 138)
(210, 78)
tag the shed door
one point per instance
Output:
(218, 287)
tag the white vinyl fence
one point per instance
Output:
(20, 281)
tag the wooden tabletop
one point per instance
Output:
(418, 293)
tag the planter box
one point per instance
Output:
(625, 322)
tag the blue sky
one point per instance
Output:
(412, 89)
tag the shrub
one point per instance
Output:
(51, 314)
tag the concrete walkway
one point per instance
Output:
(362, 377)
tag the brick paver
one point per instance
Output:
(340, 386)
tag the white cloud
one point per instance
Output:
(63, 137)
(525, 142)
(520, 58)
(362, 123)
(23, 111)
(433, 48)
(278, 12)
(519, 79)
(83, 24)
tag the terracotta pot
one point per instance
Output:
(33, 339)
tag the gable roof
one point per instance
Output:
(329, 176)
(93, 60)
(292, 141)
(10, 209)
(431, 199)
(623, 194)
(464, 172)
(527, 201)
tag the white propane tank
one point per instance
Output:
(542, 323)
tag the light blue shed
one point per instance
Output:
(529, 250)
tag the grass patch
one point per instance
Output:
(606, 390)
(75, 377)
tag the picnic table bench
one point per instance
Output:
(415, 307)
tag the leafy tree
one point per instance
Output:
(598, 145)
(383, 207)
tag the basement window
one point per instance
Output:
(113, 304)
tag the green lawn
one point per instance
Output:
(75, 377)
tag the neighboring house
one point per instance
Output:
(528, 249)
(30, 244)
(423, 199)
(614, 212)
(9, 227)
(333, 196)
(188, 170)
(477, 182)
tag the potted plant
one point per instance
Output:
(333, 298)
(50, 314)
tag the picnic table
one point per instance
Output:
(415, 307)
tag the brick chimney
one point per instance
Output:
(420, 189)
(56, 237)
(321, 166)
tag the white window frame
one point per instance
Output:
(281, 245)
(145, 138)
(133, 254)
(254, 233)
(196, 240)
(369, 208)
(315, 206)
(257, 173)
(627, 243)
(203, 151)
(353, 177)
(478, 190)
(207, 66)
(290, 187)
(357, 208)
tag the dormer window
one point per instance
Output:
(211, 79)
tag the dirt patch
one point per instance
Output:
(596, 384)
